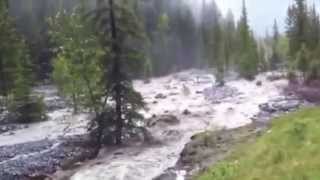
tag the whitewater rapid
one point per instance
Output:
(146, 163)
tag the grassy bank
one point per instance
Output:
(289, 151)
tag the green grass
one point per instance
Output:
(289, 151)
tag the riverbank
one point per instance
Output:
(289, 150)
(210, 147)
(38, 160)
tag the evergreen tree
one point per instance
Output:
(16, 73)
(297, 24)
(248, 51)
(208, 21)
(314, 29)
(120, 34)
(244, 30)
(275, 58)
(184, 26)
(217, 57)
(229, 39)
(303, 58)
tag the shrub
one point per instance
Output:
(314, 71)
(29, 110)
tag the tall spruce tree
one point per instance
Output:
(314, 29)
(297, 24)
(229, 39)
(120, 34)
(275, 57)
(217, 55)
(248, 52)
(244, 29)
(16, 73)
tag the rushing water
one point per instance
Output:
(182, 91)
(137, 163)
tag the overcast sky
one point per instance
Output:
(261, 12)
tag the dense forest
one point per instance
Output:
(94, 51)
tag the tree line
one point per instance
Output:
(303, 32)
(16, 75)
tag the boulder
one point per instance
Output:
(160, 96)
(259, 83)
(280, 105)
(186, 112)
(163, 120)
(173, 94)
(199, 92)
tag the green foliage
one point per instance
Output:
(297, 25)
(16, 73)
(248, 52)
(289, 151)
(275, 57)
(303, 61)
(30, 109)
(77, 66)
(314, 70)
(14, 59)
(244, 30)
(248, 63)
(162, 50)
(303, 31)
(283, 47)
(217, 58)
(229, 36)
(121, 35)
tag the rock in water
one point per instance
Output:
(163, 120)
(160, 96)
(186, 112)
(259, 83)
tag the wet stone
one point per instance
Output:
(160, 96)
(163, 120)
(186, 112)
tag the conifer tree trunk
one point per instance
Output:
(6, 2)
(2, 84)
(116, 74)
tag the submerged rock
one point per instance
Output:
(186, 112)
(281, 105)
(160, 96)
(163, 120)
(259, 83)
